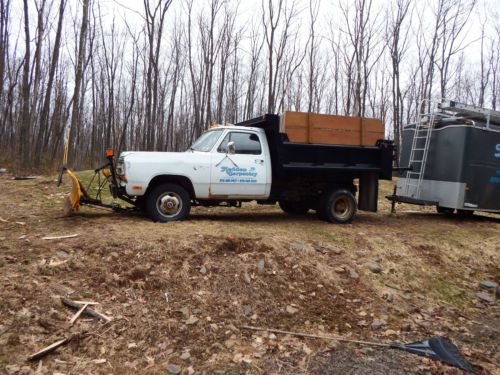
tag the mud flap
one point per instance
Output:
(368, 192)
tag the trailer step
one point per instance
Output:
(406, 199)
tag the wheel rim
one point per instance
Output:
(341, 207)
(169, 204)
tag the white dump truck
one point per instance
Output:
(253, 161)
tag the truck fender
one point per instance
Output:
(183, 181)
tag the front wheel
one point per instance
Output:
(168, 202)
(337, 206)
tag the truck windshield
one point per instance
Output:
(207, 140)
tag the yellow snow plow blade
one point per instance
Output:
(77, 191)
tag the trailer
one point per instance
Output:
(453, 154)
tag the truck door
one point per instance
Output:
(242, 173)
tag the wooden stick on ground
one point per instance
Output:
(87, 311)
(310, 335)
(49, 349)
(75, 317)
(86, 302)
(60, 237)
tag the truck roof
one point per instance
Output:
(237, 127)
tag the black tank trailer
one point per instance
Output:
(302, 171)
(454, 156)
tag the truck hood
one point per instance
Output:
(140, 164)
(153, 155)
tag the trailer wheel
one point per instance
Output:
(337, 206)
(168, 202)
(445, 210)
(294, 208)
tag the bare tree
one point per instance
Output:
(155, 21)
(313, 71)
(44, 134)
(452, 18)
(256, 44)
(158, 86)
(24, 117)
(277, 21)
(398, 41)
(495, 68)
(4, 51)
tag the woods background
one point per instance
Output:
(154, 75)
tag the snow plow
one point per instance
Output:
(79, 194)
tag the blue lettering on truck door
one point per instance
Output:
(497, 155)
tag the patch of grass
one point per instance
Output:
(86, 177)
(113, 242)
(446, 291)
(338, 237)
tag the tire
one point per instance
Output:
(168, 202)
(337, 206)
(464, 214)
(294, 208)
(445, 210)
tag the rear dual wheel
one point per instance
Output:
(337, 206)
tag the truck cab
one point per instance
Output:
(226, 163)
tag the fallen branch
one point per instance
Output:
(87, 311)
(86, 302)
(60, 237)
(50, 348)
(75, 317)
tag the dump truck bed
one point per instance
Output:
(313, 165)
(293, 157)
(315, 128)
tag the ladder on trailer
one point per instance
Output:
(418, 155)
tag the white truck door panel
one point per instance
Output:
(242, 174)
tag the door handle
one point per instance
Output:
(259, 161)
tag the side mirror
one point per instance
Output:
(231, 148)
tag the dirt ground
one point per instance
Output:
(180, 293)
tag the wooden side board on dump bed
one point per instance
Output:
(307, 127)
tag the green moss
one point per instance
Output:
(446, 291)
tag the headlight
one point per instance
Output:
(120, 168)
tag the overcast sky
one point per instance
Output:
(249, 11)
